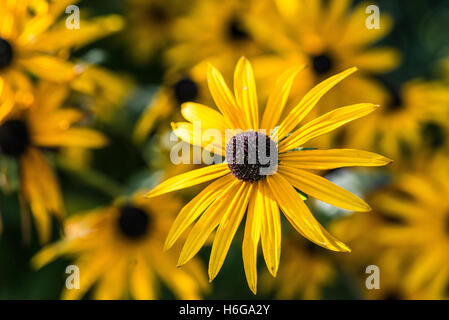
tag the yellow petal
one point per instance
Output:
(74, 137)
(224, 99)
(111, 285)
(322, 189)
(300, 111)
(192, 210)
(207, 223)
(326, 123)
(227, 228)
(209, 118)
(331, 159)
(61, 71)
(251, 238)
(211, 142)
(278, 98)
(246, 94)
(142, 280)
(190, 179)
(299, 215)
(271, 229)
(378, 60)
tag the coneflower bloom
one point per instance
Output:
(43, 124)
(242, 187)
(118, 250)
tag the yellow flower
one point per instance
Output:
(413, 106)
(118, 249)
(177, 88)
(43, 124)
(418, 201)
(31, 41)
(329, 37)
(303, 274)
(216, 31)
(241, 185)
(150, 25)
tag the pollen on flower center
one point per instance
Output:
(6, 53)
(14, 138)
(133, 222)
(322, 63)
(236, 30)
(185, 90)
(245, 160)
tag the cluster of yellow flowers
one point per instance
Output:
(317, 68)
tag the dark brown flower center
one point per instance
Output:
(251, 156)
(133, 222)
(158, 14)
(236, 30)
(185, 90)
(6, 53)
(322, 63)
(14, 138)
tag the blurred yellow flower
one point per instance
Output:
(241, 185)
(400, 123)
(43, 124)
(418, 201)
(305, 270)
(329, 37)
(32, 41)
(216, 31)
(118, 250)
(151, 23)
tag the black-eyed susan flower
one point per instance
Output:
(118, 250)
(256, 186)
(305, 271)
(402, 124)
(215, 31)
(24, 130)
(328, 36)
(178, 88)
(33, 41)
(418, 200)
(154, 22)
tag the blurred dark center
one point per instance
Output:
(157, 14)
(322, 63)
(396, 99)
(6, 53)
(133, 222)
(236, 31)
(185, 90)
(14, 138)
(242, 154)
(434, 135)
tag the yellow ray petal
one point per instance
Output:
(331, 159)
(224, 99)
(192, 210)
(300, 111)
(251, 237)
(188, 133)
(271, 229)
(227, 228)
(190, 179)
(61, 71)
(378, 60)
(322, 189)
(73, 137)
(326, 123)
(111, 285)
(206, 224)
(300, 216)
(278, 98)
(246, 93)
(142, 280)
(209, 118)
